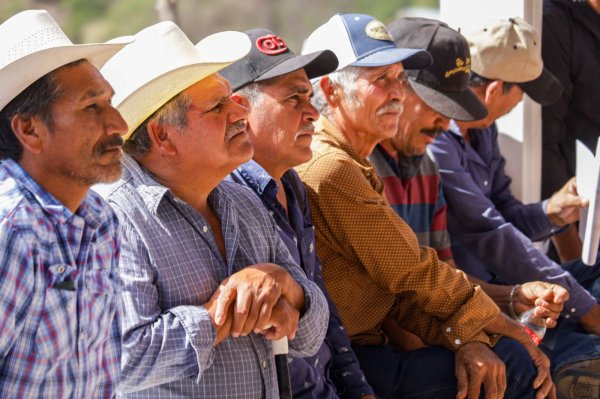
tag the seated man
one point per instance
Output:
(373, 266)
(492, 232)
(411, 175)
(207, 280)
(276, 89)
(59, 246)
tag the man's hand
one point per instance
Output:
(543, 384)
(283, 321)
(591, 320)
(477, 365)
(548, 300)
(563, 206)
(253, 292)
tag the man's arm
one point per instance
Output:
(159, 346)
(17, 281)
(475, 223)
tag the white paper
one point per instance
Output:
(588, 186)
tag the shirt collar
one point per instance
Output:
(91, 208)
(330, 134)
(257, 178)
(151, 191)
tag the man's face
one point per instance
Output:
(377, 105)
(419, 126)
(83, 142)
(503, 103)
(214, 139)
(281, 122)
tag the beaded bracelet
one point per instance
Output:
(511, 306)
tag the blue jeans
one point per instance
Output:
(429, 372)
(568, 342)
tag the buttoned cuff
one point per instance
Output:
(202, 334)
(579, 304)
(467, 323)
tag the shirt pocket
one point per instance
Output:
(101, 289)
(56, 335)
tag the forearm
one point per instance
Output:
(179, 340)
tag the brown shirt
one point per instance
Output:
(372, 262)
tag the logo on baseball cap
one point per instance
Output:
(361, 40)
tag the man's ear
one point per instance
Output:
(160, 136)
(493, 90)
(330, 92)
(30, 131)
(241, 100)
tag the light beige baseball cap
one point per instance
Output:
(511, 50)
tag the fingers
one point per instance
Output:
(461, 381)
(283, 321)
(475, 380)
(224, 301)
(556, 293)
(543, 382)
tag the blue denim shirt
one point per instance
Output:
(492, 231)
(334, 366)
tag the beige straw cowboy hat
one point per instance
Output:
(32, 44)
(161, 63)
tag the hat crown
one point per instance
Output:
(508, 50)
(450, 51)
(28, 32)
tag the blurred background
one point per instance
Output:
(101, 20)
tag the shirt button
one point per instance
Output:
(448, 329)
(573, 310)
(264, 364)
(485, 183)
(457, 341)
(61, 269)
(205, 229)
(567, 316)
(311, 247)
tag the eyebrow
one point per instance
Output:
(93, 93)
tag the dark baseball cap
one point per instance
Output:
(270, 57)
(444, 85)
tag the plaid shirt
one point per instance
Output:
(171, 266)
(59, 337)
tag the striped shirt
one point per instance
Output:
(418, 200)
(59, 337)
(171, 266)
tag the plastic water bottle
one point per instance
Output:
(534, 326)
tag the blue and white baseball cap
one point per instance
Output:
(361, 40)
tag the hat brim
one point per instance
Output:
(544, 90)
(315, 64)
(458, 105)
(410, 58)
(22, 73)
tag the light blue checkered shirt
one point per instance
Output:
(58, 293)
(171, 265)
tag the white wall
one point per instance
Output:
(520, 141)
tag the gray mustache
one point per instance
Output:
(234, 129)
(393, 106)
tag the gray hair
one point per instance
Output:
(343, 79)
(173, 113)
(252, 92)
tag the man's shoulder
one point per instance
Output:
(239, 195)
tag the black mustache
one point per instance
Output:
(112, 142)
(435, 132)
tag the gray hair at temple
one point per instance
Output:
(343, 79)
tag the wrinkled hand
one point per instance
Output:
(548, 300)
(252, 293)
(477, 365)
(543, 384)
(591, 320)
(283, 321)
(563, 206)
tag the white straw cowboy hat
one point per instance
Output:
(161, 63)
(32, 44)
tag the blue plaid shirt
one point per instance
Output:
(59, 337)
(171, 266)
(334, 370)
